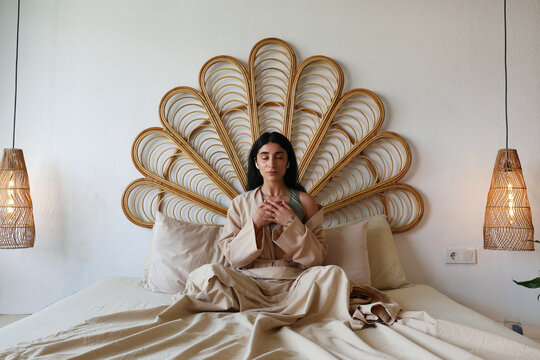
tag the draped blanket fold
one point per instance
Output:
(223, 313)
(270, 313)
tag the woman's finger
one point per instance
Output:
(272, 204)
(269, 209)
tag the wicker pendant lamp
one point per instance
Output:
(508, 222)
(16, 217)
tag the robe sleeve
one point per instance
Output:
(238, 242)
(305, 244)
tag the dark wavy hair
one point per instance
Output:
(255, 178)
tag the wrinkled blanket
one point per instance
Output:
(272, 313)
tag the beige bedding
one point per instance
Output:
(107, 296)
(314, 323)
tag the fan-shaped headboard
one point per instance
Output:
(197, 163)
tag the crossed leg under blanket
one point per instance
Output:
(314, 294)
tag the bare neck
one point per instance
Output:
(275, 189)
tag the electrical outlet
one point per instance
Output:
(460, 256)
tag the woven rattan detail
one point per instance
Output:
(508, 221)
(16, 215)
(197, 163)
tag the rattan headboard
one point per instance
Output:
(197, 163)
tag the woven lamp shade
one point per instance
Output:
(16, 217)
(508, 222)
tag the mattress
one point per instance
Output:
(422, 297)
(107, 296)
(117, 294)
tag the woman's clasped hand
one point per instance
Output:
(278, 212)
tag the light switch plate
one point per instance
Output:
(460, 255)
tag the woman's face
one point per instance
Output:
(272, 162)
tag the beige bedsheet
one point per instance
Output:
(318, 327)
(107, 296)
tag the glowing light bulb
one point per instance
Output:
(510, 200)
(11, 200)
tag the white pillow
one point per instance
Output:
(385, 269)
(178, 248)
(347, 248)
(384, 264)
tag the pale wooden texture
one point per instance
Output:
(198, 161)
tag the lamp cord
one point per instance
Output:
(16, 70)
(505, 80)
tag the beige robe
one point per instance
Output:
(304, 245)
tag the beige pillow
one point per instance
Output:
(384, 264)
(347, 248)
(178, 248)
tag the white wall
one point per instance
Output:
(92, 74)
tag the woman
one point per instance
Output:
(275, 223)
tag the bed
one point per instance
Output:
(358, 305)
(112, 295)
